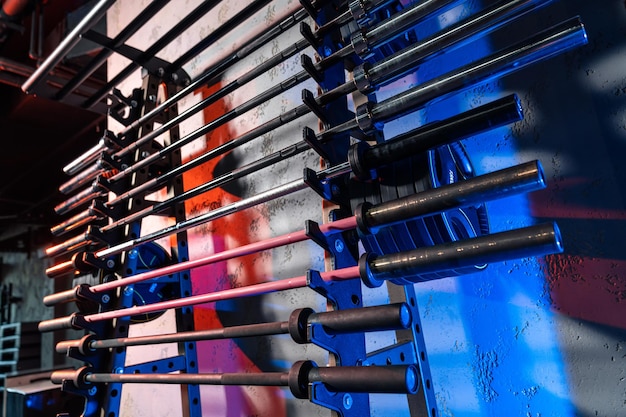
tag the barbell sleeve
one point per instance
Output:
(403, 379)
(364, 159)
(519, 179)
(88, 194)
(70, 245)
(81, 219)
(94, 14)
(373, 269)
(361, 158)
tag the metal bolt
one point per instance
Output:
(118, 370)
(105, 298)
(339, 246)
(110, 263)
(92, 390)
(347, 401)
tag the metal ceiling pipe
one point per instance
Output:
(94, 15)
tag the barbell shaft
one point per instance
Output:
(399, 105)
(378, 74)
(368, 379)
(546, 44)
(365, 319)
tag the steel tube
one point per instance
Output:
(372, 269)
(59, 53)
(86, 195)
